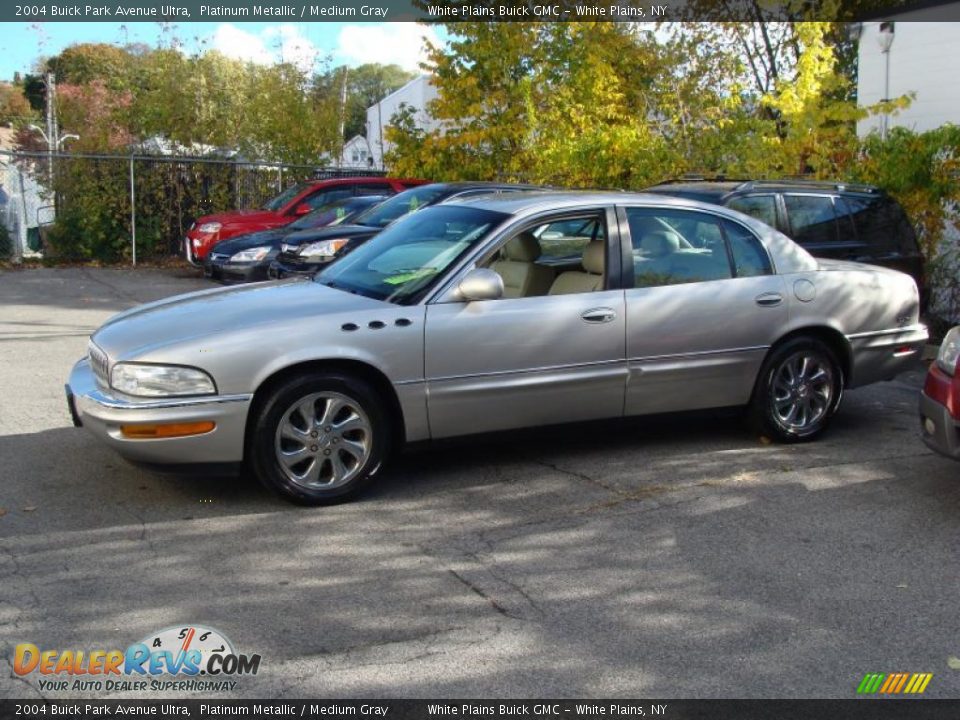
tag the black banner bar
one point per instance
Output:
(853, 709)
(354, 11)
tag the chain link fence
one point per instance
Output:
(116, 207)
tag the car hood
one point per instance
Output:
(208, 313)
(330, 233)
(240, 217)
(251, 240)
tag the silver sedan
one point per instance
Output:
(490, 314)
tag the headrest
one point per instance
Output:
(658, 244)
(524, 248)
(593, 257)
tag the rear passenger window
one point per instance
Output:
(812, 220)
(761, 207)
(671, 247)
(749, 257)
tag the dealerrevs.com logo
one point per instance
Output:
(191, 658)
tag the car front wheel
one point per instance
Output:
(798, 391)
(319, 440)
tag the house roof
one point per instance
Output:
(419, 78)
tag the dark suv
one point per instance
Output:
(831, 220)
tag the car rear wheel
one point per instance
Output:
(319, 440)
(798, 391)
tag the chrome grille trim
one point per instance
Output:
(100, 364)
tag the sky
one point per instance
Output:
(306, 44)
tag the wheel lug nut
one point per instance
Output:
(336, 440)
(327, 428)
(313, 448)
(313, 434)
(326, 452)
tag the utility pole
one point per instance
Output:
(52, 139)
(343, 116)
(380, 116)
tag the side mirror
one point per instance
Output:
(302, 209)
(481, 284)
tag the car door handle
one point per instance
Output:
(769, 299)
(599, 315)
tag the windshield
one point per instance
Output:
(333, 213)
(286, 196)
(408, 257)
(399, 205)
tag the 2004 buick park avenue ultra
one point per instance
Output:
(489, 314)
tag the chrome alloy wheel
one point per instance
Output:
(323, 440)
(803, 391)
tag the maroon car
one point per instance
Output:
(940, 399)
(286, 207)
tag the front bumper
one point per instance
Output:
(228, 273)
(103, 413)
(280, 269)
(938, 428)
(197, 245)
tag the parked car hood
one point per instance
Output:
(209, 313)
(250, 240)
(329, 233)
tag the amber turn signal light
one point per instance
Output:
(166, 430)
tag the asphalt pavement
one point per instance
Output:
(664, 557)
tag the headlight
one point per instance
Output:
(251, 255)
(210, 227)
(160, 380)
(949, 351)
(325, 248)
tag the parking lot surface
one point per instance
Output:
(673, 557)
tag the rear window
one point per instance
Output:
(880, 222)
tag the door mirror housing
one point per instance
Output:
(481, 284)
(302, 209)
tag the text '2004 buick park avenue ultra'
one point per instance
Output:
(489, 314)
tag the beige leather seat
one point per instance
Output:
(590, 280)
(522, 277)
(654, 263)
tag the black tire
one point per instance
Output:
(816, 400)
(278, 413)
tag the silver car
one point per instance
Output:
(489, 314)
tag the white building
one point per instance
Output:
(908, 52)
(356, 153)
(416, 94)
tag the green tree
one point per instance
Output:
(88, 62)
(14, 107)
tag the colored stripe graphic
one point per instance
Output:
(894, 683)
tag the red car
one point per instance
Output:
(940, 400)
(286, 207)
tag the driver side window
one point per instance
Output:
(559, 257)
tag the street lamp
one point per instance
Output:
(885, 38)
(52, 147)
